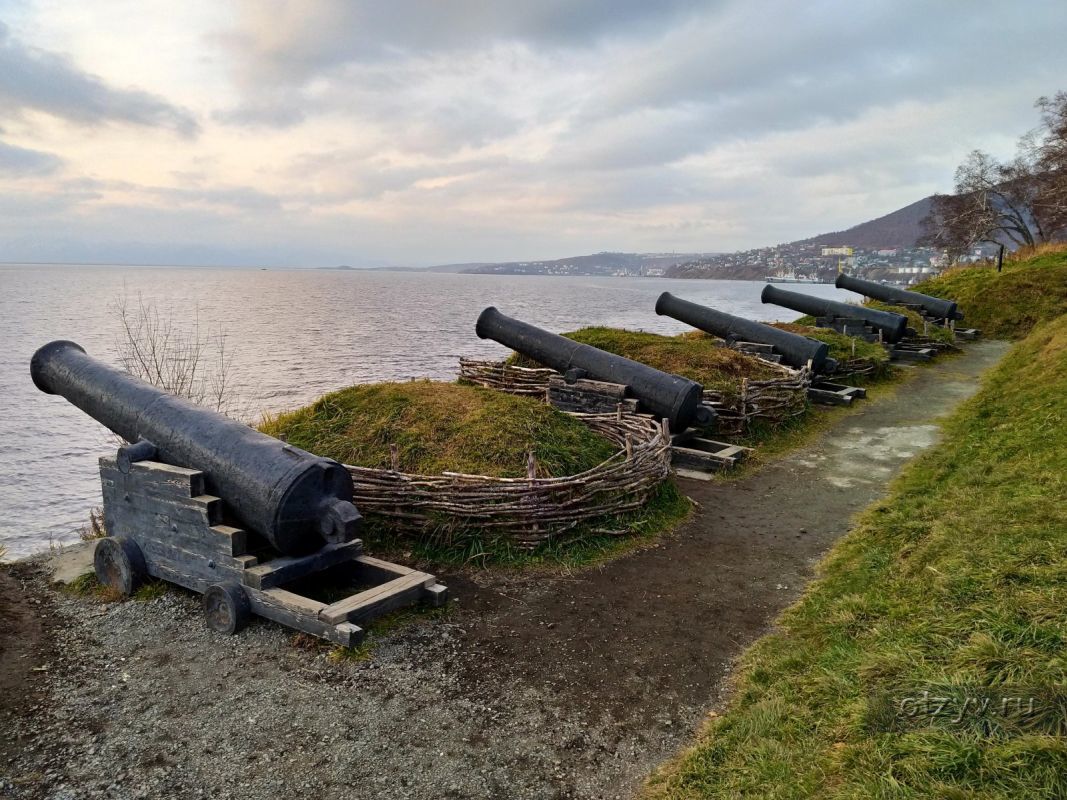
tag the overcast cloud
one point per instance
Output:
(414, 132)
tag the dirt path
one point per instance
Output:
(549, 687)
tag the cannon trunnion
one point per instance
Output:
(796, 351)
(255, 525)
(933, 306)
(677, 399)
(892, 326)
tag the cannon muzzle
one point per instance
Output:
(892, 326)
(677, 399)
(292, 498)
(934, 306)
(795, 350)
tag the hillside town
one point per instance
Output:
(805, 262)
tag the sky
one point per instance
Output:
(416, 132)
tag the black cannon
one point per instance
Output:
(795, 350)
(934, 306)
(677, 399)
(893, 326)
(292, 498)
(175, 496)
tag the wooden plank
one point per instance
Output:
(754, 347)
(616, 390)
(288, 568)
(344, 634)
(436, 595)
(164, 478)
(700, 459)
(694, 474)
(828, 398)
(393, 594)
(291, 601)
(232, 540)
(375, 570)
(213, 569)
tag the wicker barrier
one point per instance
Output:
(771, 401)
(505, 377)
(528, 510)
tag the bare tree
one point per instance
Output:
(1020, 203)
(182, 360)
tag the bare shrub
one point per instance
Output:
(181, 359)
(94, 529)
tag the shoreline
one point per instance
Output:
(538, 685)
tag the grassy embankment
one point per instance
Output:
(1006, 305)
(702, 358)
(955, 585)
(439, 427)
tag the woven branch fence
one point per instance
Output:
(529, 510)
(771, 401)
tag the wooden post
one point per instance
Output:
(629, 448)
(618, 412)
(394, 457)
(531, 465)
(1000, 258)
(853, 346)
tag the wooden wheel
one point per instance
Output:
(119, 564)
(226, 608)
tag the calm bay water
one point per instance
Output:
(294, 335)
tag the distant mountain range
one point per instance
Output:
(899, 229)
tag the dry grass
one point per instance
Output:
(441, 427)
(698, 357)
(1031, 289)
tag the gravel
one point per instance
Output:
(138, 699)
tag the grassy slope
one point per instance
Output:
(698, 358)
(441, 427)
(958, 577)
(844, 348)
(1007, 305)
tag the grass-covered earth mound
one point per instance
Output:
(441, 427)
(844, 348)
(700, 358)
(445, 427)
(915, 322)
(1007, 305)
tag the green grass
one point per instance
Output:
(915, 322)
(958, 579)
(442, 427)
(845, 348)
(695, 356)
(1007, 305)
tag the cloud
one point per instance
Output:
(21, 161)
(365, 132)
(35, 79)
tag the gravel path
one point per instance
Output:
(562, 686)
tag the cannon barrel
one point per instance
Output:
(795, 350)
(934, 306)
(677, 399)
(891, 325)
(294, 499)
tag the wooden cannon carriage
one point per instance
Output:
(255, 525)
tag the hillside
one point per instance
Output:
(900, 228)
